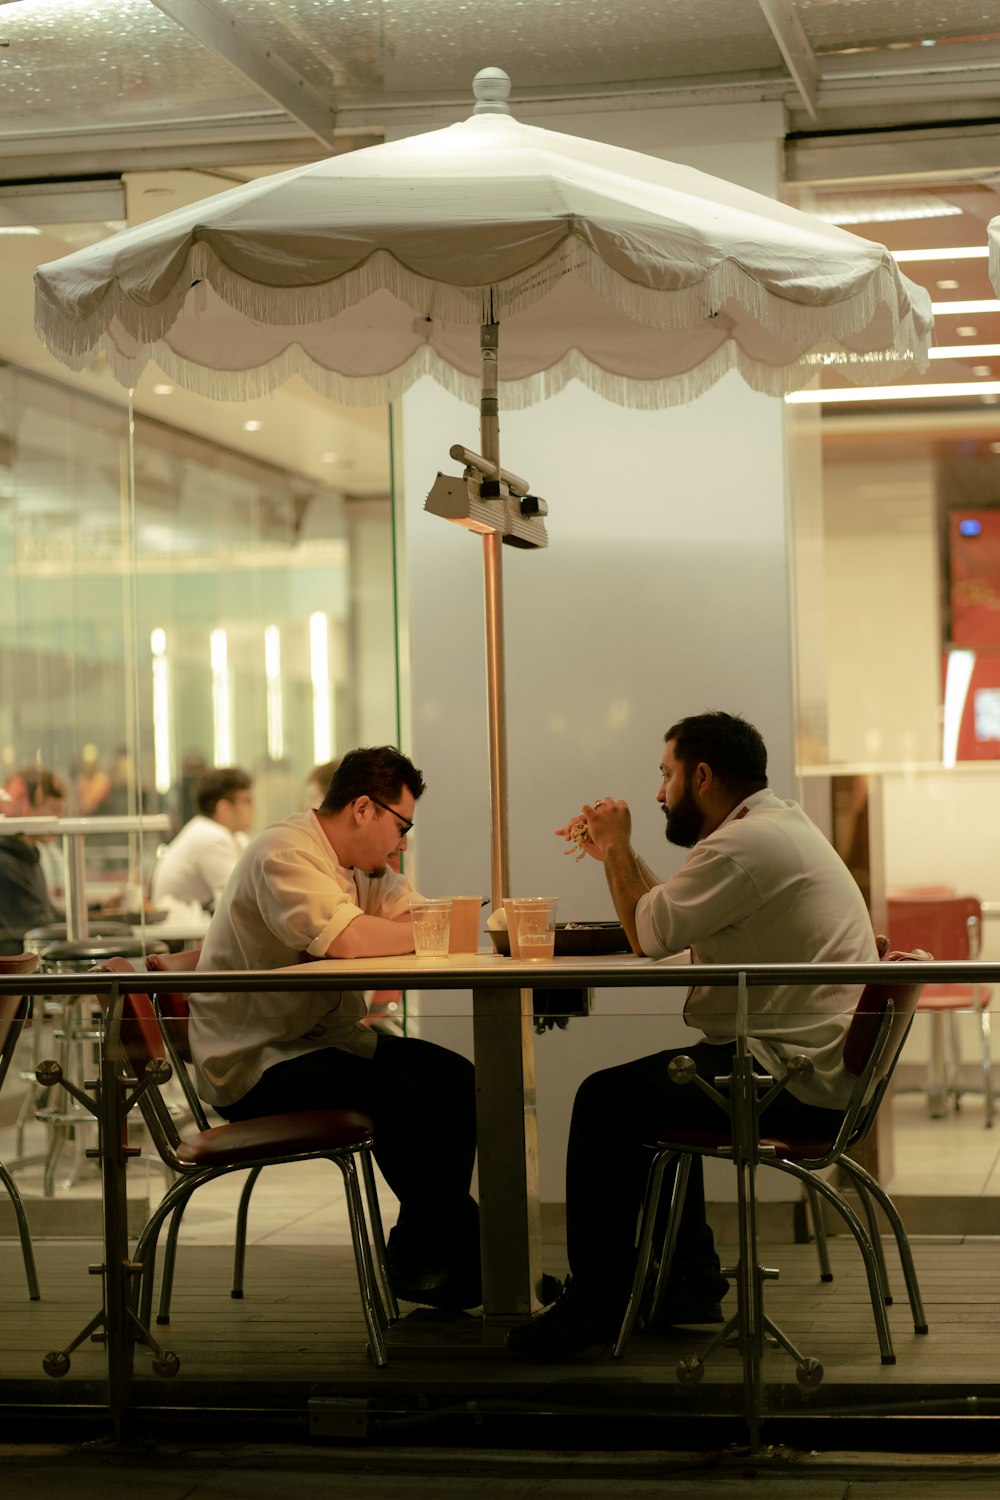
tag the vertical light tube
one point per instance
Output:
(222, 724)
(956, 689)
(275, 704)
(162, 730)
(319, 671)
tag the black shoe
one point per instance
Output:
(452, 1291)
(574, 1324)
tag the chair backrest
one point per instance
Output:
(14, 1009)
(171, 1006)
(949, 926)
(875, 1037)
(143, 1043)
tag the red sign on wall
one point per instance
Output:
(974, 537)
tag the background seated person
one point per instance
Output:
(195, 866)
(319, 885)
(760, 885)
(25, 901)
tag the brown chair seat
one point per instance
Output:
(307, 1131)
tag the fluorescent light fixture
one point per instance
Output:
(21, 229)
(275, 706)
(955, 252)
(895, 392)
(983, 305)
(222, 722)
(252, 426)
(964, 351)
(319, 672)
(958, 675)
(162, 736)
(888, 210)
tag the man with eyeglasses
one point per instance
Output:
(319, 885)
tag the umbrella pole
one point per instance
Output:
(496, 706)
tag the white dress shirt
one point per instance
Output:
(767, 887)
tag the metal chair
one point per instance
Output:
(341, 1136)
(951, 926)
(874, 1039)
(15, 1010)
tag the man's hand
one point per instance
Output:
(599, 827)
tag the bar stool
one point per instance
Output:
(15, 1010)
(77, 1037)
(47, 1010)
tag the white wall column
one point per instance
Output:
(664, 591)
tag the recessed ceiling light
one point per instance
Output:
(19, 229)
(982, 369)
(947, 286)
(966, 331)
(989, 400)
(252, 426)
(163, 390)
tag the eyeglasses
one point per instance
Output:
(405, 824)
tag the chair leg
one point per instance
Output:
(654, 1305)
(937, 1086)
(868, 1185)
(644, 1254)
(819, 1232)
(984, 1031)
(169, 1261)
(864, 1245)
(240, 1248)
(370, 1300)
(378, 1238)
(145, 1250)
(27, 1253)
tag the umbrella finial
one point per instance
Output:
(491, 87)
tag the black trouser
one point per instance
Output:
(422, 1100)
(617, 1115)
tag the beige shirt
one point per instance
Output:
(286, 901)
(767, 887)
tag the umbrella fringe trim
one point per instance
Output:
(672, 308)
(621, 390)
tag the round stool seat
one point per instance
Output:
(37, 938)
(68, 957)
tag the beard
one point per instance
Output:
(684, 820)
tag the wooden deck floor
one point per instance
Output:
(298, 1339)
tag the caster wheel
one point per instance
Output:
(56, 1364)
(690, 1371)
(809, 1374)
(165, 1364)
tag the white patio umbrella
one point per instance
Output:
(504, 260)
(993, 239)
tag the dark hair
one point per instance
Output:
(378, 771)
(219, 786)
(731, 746)
(36, 783)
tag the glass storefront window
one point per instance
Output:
(199, 616)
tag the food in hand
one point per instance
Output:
(580, 834)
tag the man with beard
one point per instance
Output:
(760, 885)
(319, 885)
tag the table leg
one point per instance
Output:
(508, 1151)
